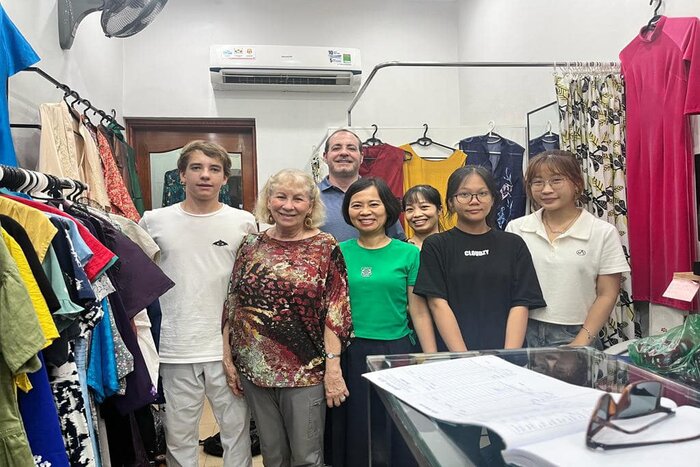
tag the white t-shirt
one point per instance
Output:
(197, 253)
(568, 267)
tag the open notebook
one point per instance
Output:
(542, 420)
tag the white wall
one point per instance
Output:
(162, 71)
(92, 67)
(540, 31)
(166, 67)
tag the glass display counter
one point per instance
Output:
(435, 443)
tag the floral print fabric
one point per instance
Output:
(119, 197)
(281, 297)
(592, 114)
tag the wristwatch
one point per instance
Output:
(330, 355)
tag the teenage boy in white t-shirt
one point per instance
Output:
(199, 238)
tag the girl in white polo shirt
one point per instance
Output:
(578, 257)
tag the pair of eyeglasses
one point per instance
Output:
(637, 400)
(466, 198)
(554, 182)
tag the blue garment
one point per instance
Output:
(332, 198)
(504, 159)
(546, 142)
(16, 55)
(15, 193)
(66, 249)
(81, 248)
(102, 367)
(40, 420)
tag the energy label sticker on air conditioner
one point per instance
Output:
(239, 52)
(335, 56)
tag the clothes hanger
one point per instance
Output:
(425, 141)
(71, 106)
(80, 187)
(45, 185)
(26, 182)
(492, 137)
(41, 184)
(654, 19)
(18, 177)
(104, 120)
(373, 140)
(84, 116)
(549, 136)
(8, 179)
(53, 188)
(73, 94)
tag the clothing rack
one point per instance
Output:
(69, 92)
(381, 66)
(25, 125)
(24, 180)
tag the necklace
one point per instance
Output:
(564, 229)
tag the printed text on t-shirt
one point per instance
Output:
(476, 252)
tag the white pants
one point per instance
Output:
(185, 385)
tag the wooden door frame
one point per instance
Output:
(214, 125)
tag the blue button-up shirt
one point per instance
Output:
(335, 225)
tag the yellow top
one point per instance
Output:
(419, 171)
(37, 225)
(42, 310)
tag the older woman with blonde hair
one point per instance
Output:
(287, 317)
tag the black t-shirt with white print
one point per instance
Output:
(482, 277)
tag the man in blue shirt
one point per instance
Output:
(343, 155)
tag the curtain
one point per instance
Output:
(592, 116)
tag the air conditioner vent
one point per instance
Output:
(288, 80)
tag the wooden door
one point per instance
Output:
(158, 141)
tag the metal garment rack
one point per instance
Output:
(381, 66)
(17, 178)
(69, 92)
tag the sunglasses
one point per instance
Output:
(637, 400)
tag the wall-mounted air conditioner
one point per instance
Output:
(284, 68)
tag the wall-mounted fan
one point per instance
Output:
(120, 18)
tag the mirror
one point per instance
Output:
(165, 180)
(543, 129)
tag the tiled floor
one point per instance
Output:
(208, 427)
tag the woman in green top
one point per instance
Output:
(381, 274)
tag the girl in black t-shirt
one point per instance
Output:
(479, 281)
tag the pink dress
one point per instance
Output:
(662, 78)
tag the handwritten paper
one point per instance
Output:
(682, 289)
